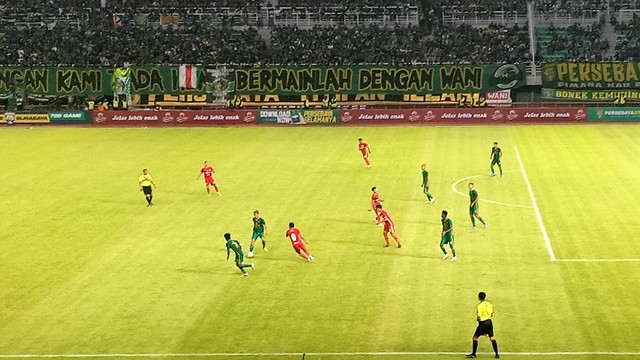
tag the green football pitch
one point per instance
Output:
(89, 271)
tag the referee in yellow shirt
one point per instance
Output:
(145, 181)
(485, 326)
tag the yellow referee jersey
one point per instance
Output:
(145, 180)
(485, 310)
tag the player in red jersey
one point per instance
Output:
(389, 226)
(297, 240)
(365, 150)
(375, 200)
(208, 172)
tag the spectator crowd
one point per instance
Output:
(109, 33)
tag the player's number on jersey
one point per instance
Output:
(293, 237)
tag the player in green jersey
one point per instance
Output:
(496, 155)
(259, 231)
(446, 236)
(474, 206)
(234, 245)
(426, 183)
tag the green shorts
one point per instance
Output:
(495, 161)
(473, 210)
(257, 234)
(239, 258)
(447, 239)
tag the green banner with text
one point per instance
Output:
(70, 117)
(93, 81)
(436, 79)
(591, 76)
(591, 95)
(614, 114)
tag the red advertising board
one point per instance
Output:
(174, 117)
(463, 115)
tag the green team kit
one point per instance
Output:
(234, 245)
(425, 184)
(496, 155)
(447, 230)
(447, 236)
(474, 206)
(259, 230)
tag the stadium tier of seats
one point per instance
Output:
(111, 32)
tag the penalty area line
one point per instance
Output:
(547, 242)
(307, 354)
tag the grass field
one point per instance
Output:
(87, 268)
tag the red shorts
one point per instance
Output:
(365, 155)
(389, 227)
(209, 180)
(300, 247)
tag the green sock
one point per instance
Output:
(264, 244)
(251, 247)
(473, 221)
(453, 251)
(443, 250)
(429, 197)
(243, 271)
(482, 221)
(246, 265)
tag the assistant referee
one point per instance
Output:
(485, 326)
(145, 181)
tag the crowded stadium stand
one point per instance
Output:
(111, 32)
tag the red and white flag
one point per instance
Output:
(188, 75)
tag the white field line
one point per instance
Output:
(455, 190)
(299, 354)
(535, 207)
(599, 260)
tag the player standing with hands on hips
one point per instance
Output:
(485, 326)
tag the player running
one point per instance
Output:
(426, 183)
(496, 155)
(375, 198)
(298, 242)
(474, 205)
(208, 172)
(259, 231)
(365, 150)
(237, 249)
(446, 236)
(389, 226)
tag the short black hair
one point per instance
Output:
(359, 139)
(379, 206)
(482, 295)
(227, 236)
(373, 188)
(291, 224)
(495, 143)
(445, 212)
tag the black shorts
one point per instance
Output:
(484, 328)
(146, 190)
